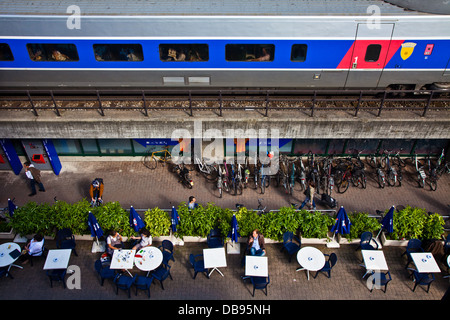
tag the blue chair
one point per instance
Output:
(104, 271)
(161, 273)
(167, 250)
(289, 245)
(214, 239)
(414, 245)
(329, 264)
(260, 283)
(143, 283)
(123, 282)
(66, 240)
(4, 272)
(381, 279)
(198, 265)
(57, 275)
(366, 239)
(422, 279)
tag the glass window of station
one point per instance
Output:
(5, 52)
(249, 52)
(118, 52)
(298, 52)
(61, 52)
(183, 52)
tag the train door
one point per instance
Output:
(368, 55)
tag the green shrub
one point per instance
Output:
(157, 222)
(361, 222)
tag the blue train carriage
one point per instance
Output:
(251, 44)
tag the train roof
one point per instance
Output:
(205, 7)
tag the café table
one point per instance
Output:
(9, 253)
(310, 259)
(57, 259)
(148, 258)
(374, 260)
(123, 259)
(256, 266)
(424, 262)
(214, 258)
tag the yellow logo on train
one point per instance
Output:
(407, 50)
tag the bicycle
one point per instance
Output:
(264, 179)
(381, 177)
(237, 180)
(421, 175)
(152, 158)
(391, 173)
(207, 170)
(432, 175)
(302, 175)
(220, 182)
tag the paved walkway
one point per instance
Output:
(132, 184)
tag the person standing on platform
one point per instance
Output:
(34, 175)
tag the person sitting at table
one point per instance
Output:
(32, 248)
(113, 242)
(146, 239)
(256, 243)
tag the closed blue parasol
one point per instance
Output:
(11, 207)
(234, 234)
(388, 221)
(175, 219)
(135, 220)
(96, 231)
(342, 224)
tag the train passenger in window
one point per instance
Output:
(265, 56)
(58, 56)
(173, 55)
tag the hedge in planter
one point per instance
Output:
(415, 223)
(157, 222)
(361, 222)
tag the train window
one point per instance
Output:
(5, 52)
(184, 52)
(118, 52)
(52, 52)
(373, 53)
(298, 52)
(249, 52)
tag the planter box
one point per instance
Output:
(392, 243)
(7, 235)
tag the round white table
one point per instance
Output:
(148, 258)
(5, 258)
(310, 259)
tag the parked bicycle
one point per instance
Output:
(421, 175)
(152, 158)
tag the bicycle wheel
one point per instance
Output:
(343, 186)
(421, 182)
(391, 179)
(371, 161)
(239, 188)
(381, 181)
(363, 181)
(263, 185)
(150, 162)
(433, 185)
